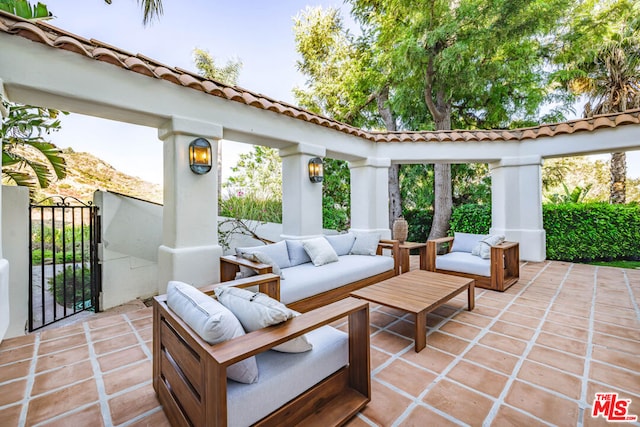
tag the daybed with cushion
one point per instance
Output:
(315, 272)
(208, 372)
(491, 261)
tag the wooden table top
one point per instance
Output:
(415, 291)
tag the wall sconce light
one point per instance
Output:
(200, 156)
(316, 170)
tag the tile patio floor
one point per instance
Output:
(534, 355)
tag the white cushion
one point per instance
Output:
(262, 258)
(285, 376)
(341, 243)
(306, 280)
(276, 251)
(464, 262)
(213, 322)
(483, 248)
(320, 251)
(297, 254)
(465, 242)
(365, 244)
(255, 311)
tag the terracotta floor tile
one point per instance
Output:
(381, 319)
(459, 402)
(510, 417)
(12, 392)
(525, 310)
(566, 319)
(121, 358)
(562, 343)
(16, 354)
(62, 343)
(140, 314)
(471, 318)
(10, 416)
(14, 371)
(129, 376)
(615, 377)
(615, 357)
(515, 331)
(49, 405)
(448, 309)
(446, 343)
(64, 357)
(357, 421)
(541, 404)
(627, 320)
(390, 342)
(493, 359)
(66, 374)
(478, 378)
(378, 358)
(406, 377)
(64, 331)
(429, 358)
(110, 331)
(620, 344)
(10, 343)
(89, 416)
(486, 311)
(156, 419)
(106, 346)
(131, 404)
(519, 319)
(617, 330)
(404, 328)
(147, 334)
(552, 379)
(421, 416)
(568, 331)
(574, 310)
(461, 330)
(105, 321)
(557, 359)
(504, 343)
(386, 405)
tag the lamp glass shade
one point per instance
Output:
(316, 170)
(200, 156)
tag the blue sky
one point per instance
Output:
(257, 32)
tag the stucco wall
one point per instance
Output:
(131, 234)
(14, 281)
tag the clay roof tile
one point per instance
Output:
(564, 128)
(626, 118)
(167, 74)
(138, 66)
(582, 125)
(31, 32)
(107, 55)
(71, 44)
(600, 122)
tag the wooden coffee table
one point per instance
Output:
(418, 292)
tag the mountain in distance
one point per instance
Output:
(86, 173)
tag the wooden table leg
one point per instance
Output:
(471, 296)
(404, 260)
(421, 331)
(423, 257)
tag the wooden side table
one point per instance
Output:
(405, 249)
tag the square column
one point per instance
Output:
(301, 198)
(370, 196)
(516, 198)
(190, 249)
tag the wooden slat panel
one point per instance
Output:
(170, 407)
(187, 360)
(182, 392)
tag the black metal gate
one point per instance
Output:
(65, 273)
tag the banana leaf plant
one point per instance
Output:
(26, 10)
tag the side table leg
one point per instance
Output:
(421, 331)
(471, 296)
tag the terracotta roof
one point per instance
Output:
(54, 37)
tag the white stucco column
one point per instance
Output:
(516, 197)
(190, 249)
(370, 196)
(4, 264)
(301, 198)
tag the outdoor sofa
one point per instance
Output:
(358, 260)
(491, 261)
(205, 377)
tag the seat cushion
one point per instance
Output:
(283, 376)
(306, 280)
(464, 262)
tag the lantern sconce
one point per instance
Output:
(200, 156)
(316, 170)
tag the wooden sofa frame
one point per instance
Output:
(230, 266)
(190, 380)
(504, 261)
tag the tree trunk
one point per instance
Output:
(395, 200)
(618, 178)
(443, 200)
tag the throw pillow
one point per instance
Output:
(483, 248)
(320, 251)
(277, 251)
(255, 311)
(297, 254)
(213, 322)
(341, 243)
(465, 242)
(365, 244)
(263, 259)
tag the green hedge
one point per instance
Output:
(419, 224)
(574, 232)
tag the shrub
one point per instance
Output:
(419, 224)
(471, 218)
(69, 287)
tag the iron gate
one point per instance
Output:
(65, 273)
